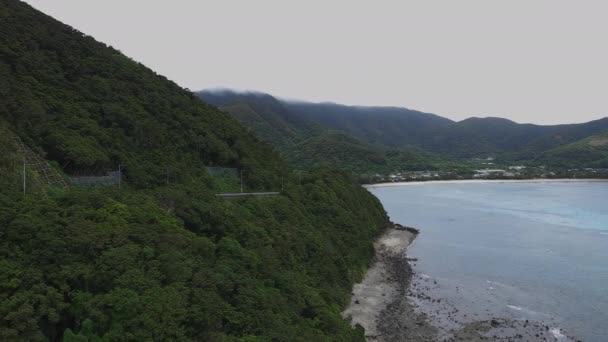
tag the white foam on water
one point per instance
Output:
(527, 311)
(495, 283)
(557, 333)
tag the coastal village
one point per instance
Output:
(488, 168)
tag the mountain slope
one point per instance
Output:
(162, 258)
(305, 143)
(264, 114)
(527, 139)
(339, 149)
(588, 152)
(90, 108)
(398, 127)
(470, 137)
(390, 126)
(288, 125)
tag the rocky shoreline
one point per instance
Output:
(384, 284)
(392, 303)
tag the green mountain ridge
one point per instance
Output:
(305, 143)
(399, 128)
(339, 149)
(389, 126)
(162, 258)
(266, 116)
(464, 139)
(588, 152)
(529, 139)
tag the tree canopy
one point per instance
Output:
(162, 258)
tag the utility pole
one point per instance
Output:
(24, 181)
(281, 182)
(241, 181)
(120, 166)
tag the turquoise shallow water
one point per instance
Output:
(515, 250)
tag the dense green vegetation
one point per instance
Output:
(472, 137)
(265, 115)
(589, 152)
(307, 144)
(389, 126)
(341, 150)
(525, 141)
(162, 258)
(376, 134)
(177, 263)
(90, 108)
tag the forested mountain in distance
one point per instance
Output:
(398, 128)
(307, 143)
(162, 258)
(588, 152)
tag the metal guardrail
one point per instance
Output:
(245, 194)
(111, 178)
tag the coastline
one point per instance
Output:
(393, 303)
(474, 181)
(377, 301)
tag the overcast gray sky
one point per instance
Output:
(540, 61)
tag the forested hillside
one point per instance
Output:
(162, 258)
(472, 137)
(390, 126)
(306, 143)
(588, 152)
(264, 115)
(427, 136)
(527, 140)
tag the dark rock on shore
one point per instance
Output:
(394, 304)
(412, 230)
(399, 321)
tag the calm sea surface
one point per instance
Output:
(514, 250)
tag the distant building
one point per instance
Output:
(489, 172)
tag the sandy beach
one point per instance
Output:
(469, 181)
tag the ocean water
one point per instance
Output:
(535, 251)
